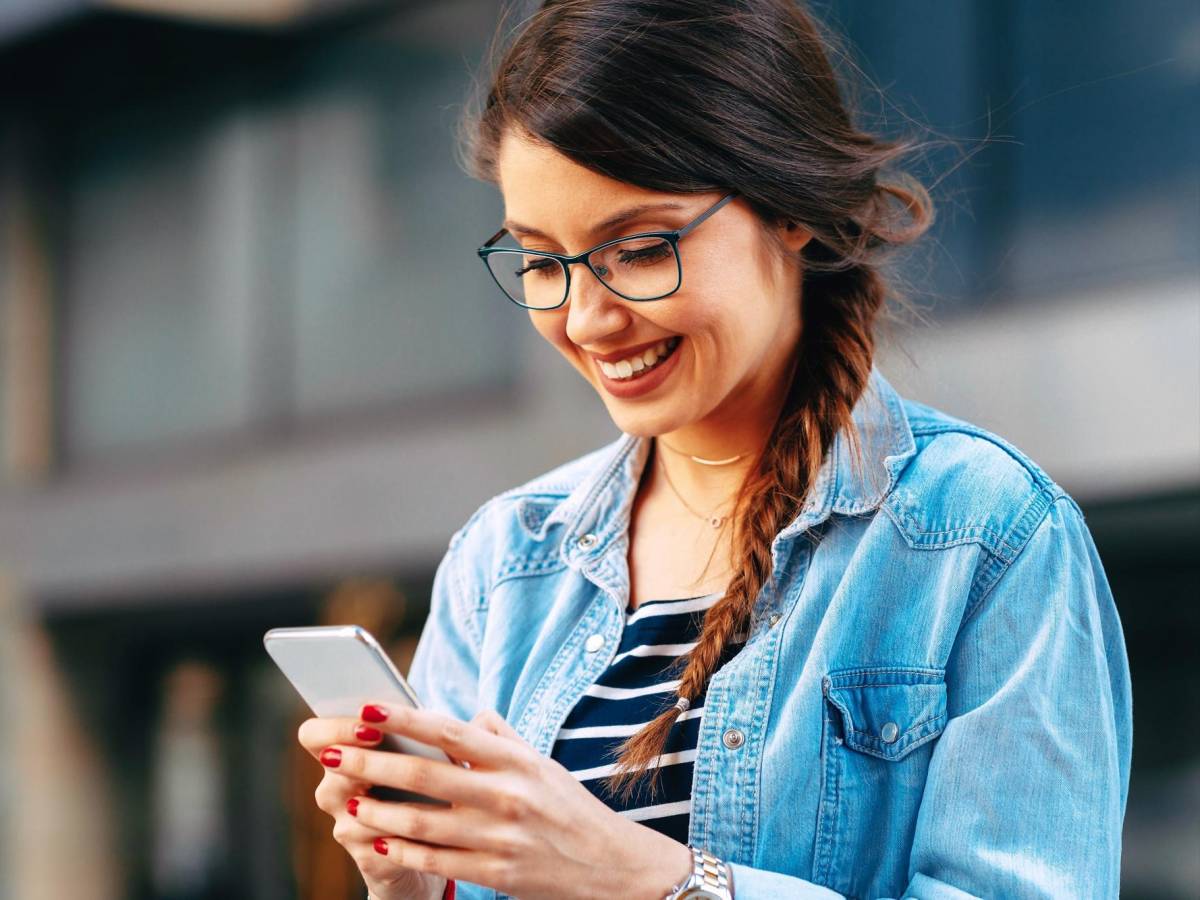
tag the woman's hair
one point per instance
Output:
(732, 95)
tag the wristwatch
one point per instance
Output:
(709, 879)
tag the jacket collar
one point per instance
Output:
(598, 509)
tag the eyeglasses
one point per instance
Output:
(644, 266)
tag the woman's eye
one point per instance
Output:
(540, 265)
(659, 251)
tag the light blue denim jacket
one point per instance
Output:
(934, 700)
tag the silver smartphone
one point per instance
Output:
(337, 669)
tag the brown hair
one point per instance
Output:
(737, 95)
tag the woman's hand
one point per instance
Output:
(518, 821)
(383, 878)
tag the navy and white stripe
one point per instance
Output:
(642, 679)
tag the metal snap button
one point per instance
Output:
(889, 732)
(772, 619)
(587, 541)
(594, 643)
(733, 738)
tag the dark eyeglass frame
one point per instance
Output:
(673, 237)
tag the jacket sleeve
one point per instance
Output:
(445, 666)
(1027, 785)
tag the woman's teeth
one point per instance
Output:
(636, 366)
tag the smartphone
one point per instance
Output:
(338, 668)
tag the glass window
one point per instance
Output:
(391, 302)
(157, 341)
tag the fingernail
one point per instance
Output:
(352, 806)
(373, 713)
(367, 733)
(381, 846)
(332, 757)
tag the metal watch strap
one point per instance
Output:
(709, 873)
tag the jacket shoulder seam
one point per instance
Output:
(1019, 536)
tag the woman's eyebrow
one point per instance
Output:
(611, 222)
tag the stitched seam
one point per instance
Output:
(528, 564)
(897, 511)
(874, 747)
(886, 670)
(1032, 530)
(602, 485)
(908, 731)
(827, 806)
(908, 747)
(458, 599)
(512, 576)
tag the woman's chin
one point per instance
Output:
(645, 425)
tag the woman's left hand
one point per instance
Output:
(518, 822)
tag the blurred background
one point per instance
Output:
(252, 375)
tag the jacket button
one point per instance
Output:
(732, 738)
(889, 732)
(587, 541)
(594, 643)
(772, 619)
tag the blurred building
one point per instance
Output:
(252, 374)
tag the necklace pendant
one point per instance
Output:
(717, 521)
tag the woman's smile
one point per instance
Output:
(640, 374)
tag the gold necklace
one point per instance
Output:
(714, 520)
(706, 462)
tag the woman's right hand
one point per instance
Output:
(384, 879)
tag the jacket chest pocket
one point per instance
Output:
(880, 726)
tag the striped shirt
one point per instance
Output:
(641, 680)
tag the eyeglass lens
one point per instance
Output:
(640, 268)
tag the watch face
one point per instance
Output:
(699, 893)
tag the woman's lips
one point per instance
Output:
(636, 387)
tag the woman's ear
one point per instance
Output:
(794, 236)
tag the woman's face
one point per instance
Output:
(735, 316)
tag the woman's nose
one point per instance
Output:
(593, 311)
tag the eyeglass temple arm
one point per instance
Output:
(495, 237)
(704, 215)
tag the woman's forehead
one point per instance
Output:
(557, 198)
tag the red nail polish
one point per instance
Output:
(367, 733)
(381, 846)
(373, 713)
(352, 806)
(332, 757)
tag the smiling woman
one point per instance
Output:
(695, 223)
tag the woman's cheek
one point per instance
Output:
(550, 327)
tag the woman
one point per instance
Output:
(791, 635)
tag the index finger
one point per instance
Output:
(461, 740)
(317, 733)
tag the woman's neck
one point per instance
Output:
(706, 488)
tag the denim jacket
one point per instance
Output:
(934, 699)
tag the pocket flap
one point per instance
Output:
(888, 711)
